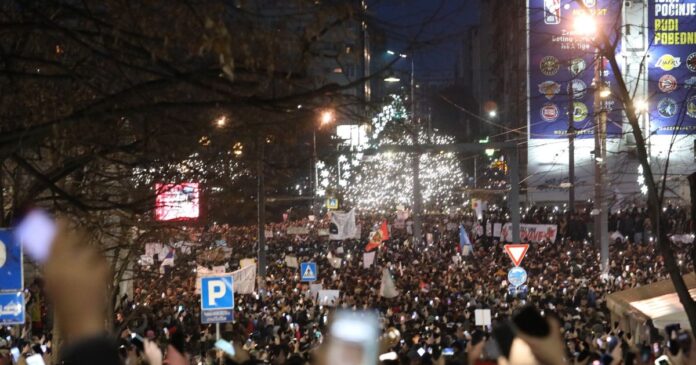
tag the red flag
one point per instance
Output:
(378, 236)
(375, 240)
(385, 230)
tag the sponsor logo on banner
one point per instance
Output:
(690, 83)
(579, 111)
(530, 232)
(549, 65)
(667, 62)
(577, 66)
(552, 11)
(549, 89)
(667, 83)
(691, 106)
(579, 88)
(549, 112)
(667, 107)
(691, 62)
(590, 3)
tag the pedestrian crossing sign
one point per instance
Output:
(332, 203)
(308, 271)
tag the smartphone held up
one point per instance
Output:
(36, 232)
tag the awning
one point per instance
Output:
(657, 301)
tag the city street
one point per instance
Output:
(347, 182)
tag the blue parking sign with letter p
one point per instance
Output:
(217, 292)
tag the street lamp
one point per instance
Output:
(391, 79)
(493, 113)
(585, 24)
(415, 161)
(327, 117)
(221, 121)
(640, 105)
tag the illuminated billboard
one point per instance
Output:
(176, 202)
(562, 61)
(672, 66)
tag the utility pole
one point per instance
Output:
(571, 145)
(417, 195)
(601, 218)
(314, 172)
(261, 206)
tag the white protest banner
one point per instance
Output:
(329, 298)
(343, 225)
(146, 260)
(268, 233)
(218, 269)
(483, 317)
(152, 249)
(321, 232)
(314, 289)
(682, 238)
(246, 262)
(340, 250)
(297, 230)
(368, 259)
(244, 280)
(496, 229)
(530, 232)
(291, 261)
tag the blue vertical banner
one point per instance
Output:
(562, 59)
(672, 66)
(10, 263)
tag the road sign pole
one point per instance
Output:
(217, 331)
(514, 197)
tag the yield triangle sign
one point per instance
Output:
(516, 252)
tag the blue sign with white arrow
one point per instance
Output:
(517, 276)
(12, 308)
(308, 271)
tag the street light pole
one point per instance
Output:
(600, 158)
(417, 195)
(314, 173)
(261, 208)
(571, 146)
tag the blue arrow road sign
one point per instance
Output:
(517, 276)
(217, 292)
(308, 271)
(12, 308)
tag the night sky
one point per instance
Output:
(436, 26)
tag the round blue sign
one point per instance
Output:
(517, 276)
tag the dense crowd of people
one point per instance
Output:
(431, 320)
